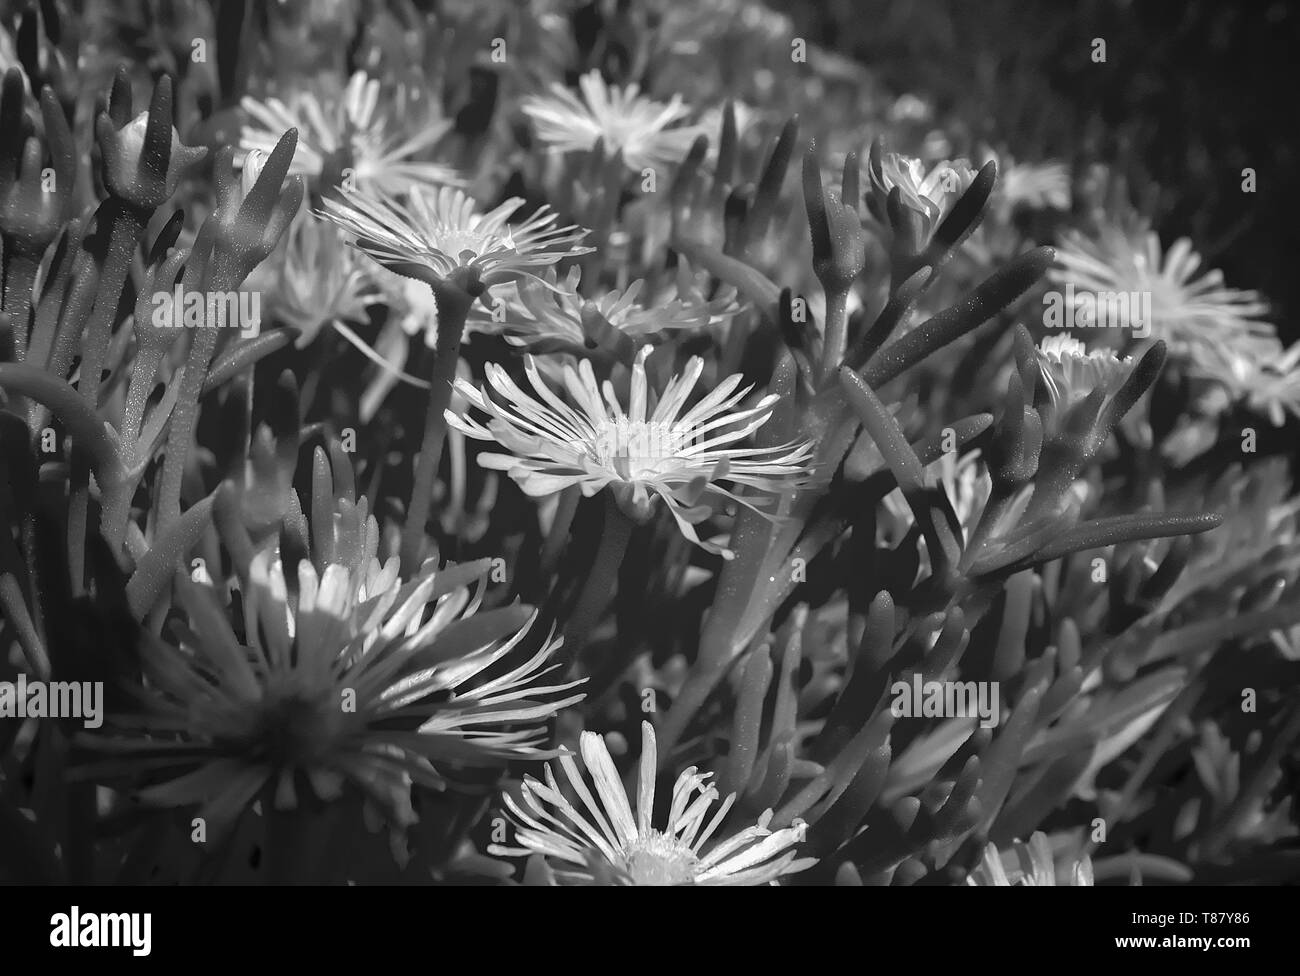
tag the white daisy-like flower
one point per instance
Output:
(646, 132)
(1259, 537)
(1070, 372)
(930, 195)
(1027, 865)
(650, 451)
(349, 133)
(351, 678)
(605, 833)
(910, 107)
(1189, 311)
(1262, 374)
(548, 317)
(319, 280)
(1036, 186)
(444, 230)
(1275, 388)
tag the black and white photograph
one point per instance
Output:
(834, 443)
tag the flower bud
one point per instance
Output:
(144, 159)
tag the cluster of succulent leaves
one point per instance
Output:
(1124, 734)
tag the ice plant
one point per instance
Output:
(663, 450)
(1070, 372)
(929, 195)
(605, 829)
(352, 677)
(915, 490)
(433, 234)
(348, 140)
(1262, 374)
(647, 133)
(444, 240)
(1032, 186)
(929, 214)
(321, 282)
(552, 316)
(1191, 309)
(143, 163)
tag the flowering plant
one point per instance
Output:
(657, 465)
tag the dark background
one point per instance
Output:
(1190, 94)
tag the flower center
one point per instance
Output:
(294, 725)
(457, 242)
(637, 448)
(660, 861)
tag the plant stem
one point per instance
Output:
(117, 513)
(69, 326)
(203, 344)
(288, 841)
(29, 640)
(153, 573)
(694, 693)
(566, 507)
(19, 275)
(614, 536)
(453, 308)
(127, 226)
(836, 336)
(217, 271)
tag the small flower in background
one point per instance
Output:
(412, 304)
(668, 452)
(1259, 538)
(549, 316)
(1190, 312)
(1261, 373)
(646, 132)
(1027, 865)
(343, 680)
(349, 134)
(691, 28)
(1033, 186)
(319, 280)
(1219, 768)
(438, 232)
(1070, 372)
(609, 843)
(910, 107)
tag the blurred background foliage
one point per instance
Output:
(1190, 94)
